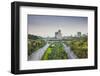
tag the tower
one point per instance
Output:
(78, 34)
(58, 34)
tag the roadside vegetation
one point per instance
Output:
(55, 51)
(34, 43)
(79, 46)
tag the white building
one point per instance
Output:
(58, 35)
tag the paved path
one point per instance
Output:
(39, 53)
(70, 53)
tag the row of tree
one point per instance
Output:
(34, 43)
(79, 46)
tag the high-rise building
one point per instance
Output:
(78, 34)
(58, 34)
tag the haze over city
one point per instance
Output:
(46, 25)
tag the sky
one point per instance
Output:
(47, 25)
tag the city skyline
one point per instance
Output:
(44, 25)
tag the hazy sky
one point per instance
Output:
(46, 25)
